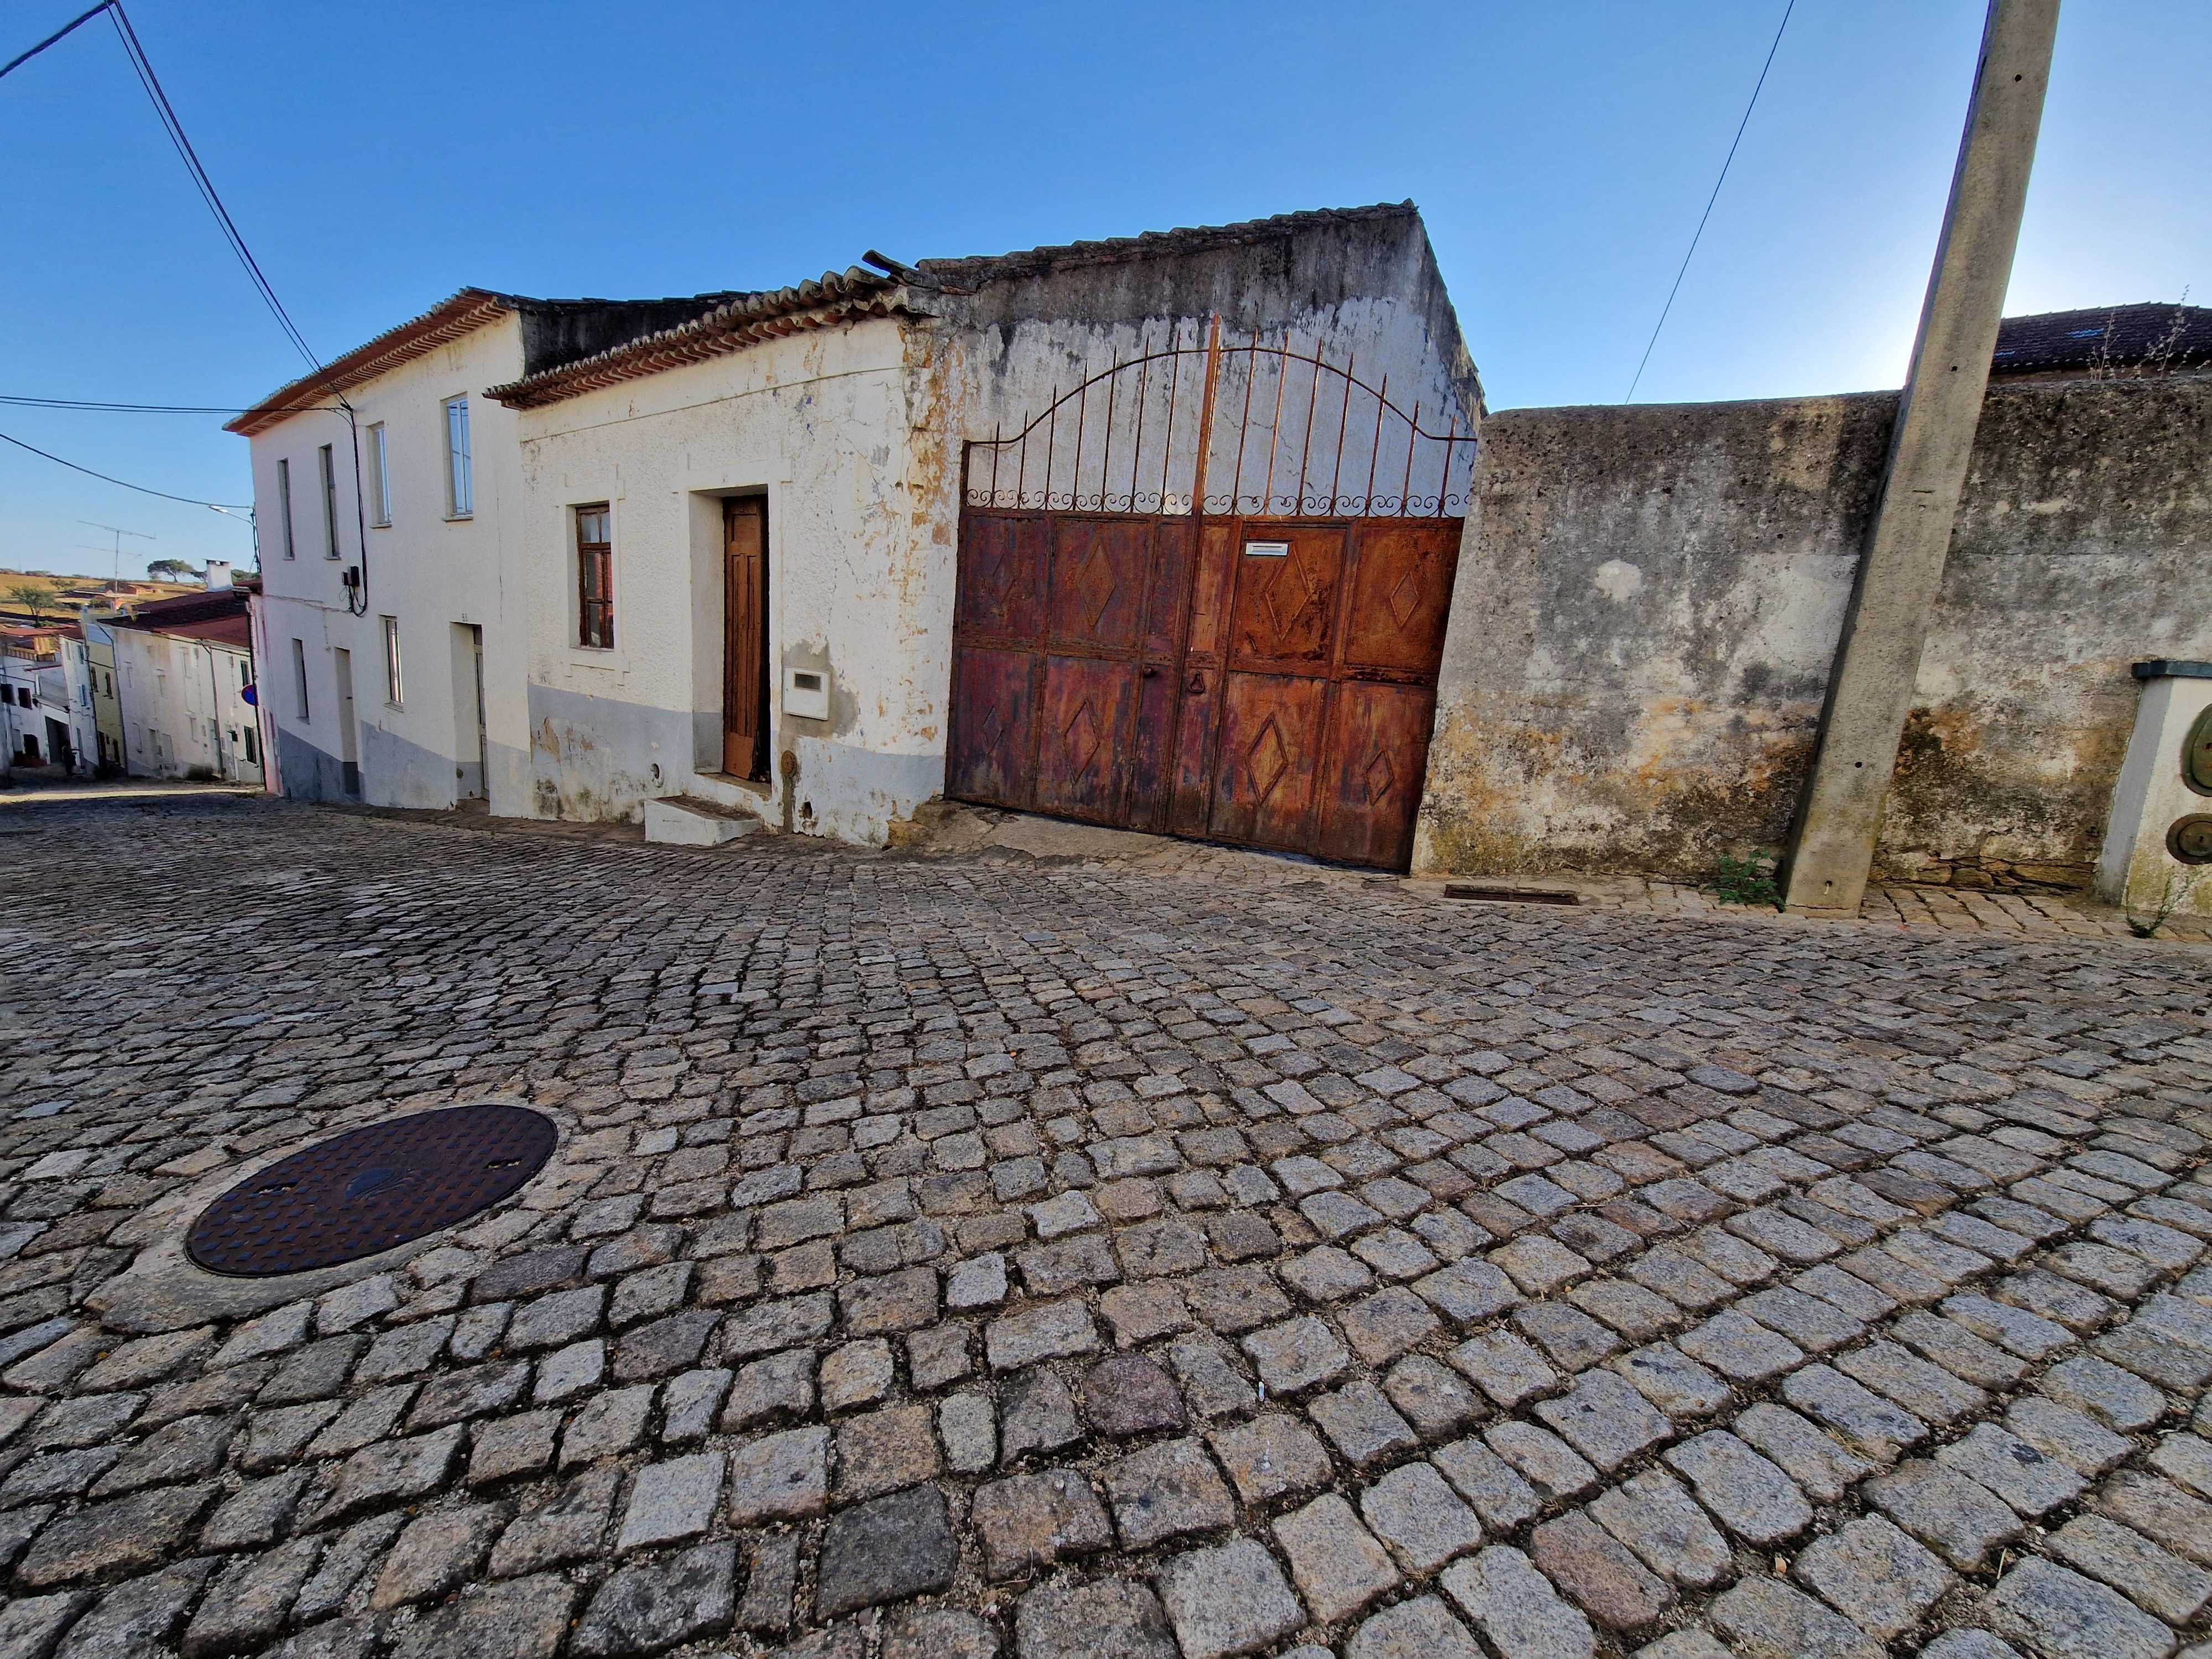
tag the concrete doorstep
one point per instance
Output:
(687, 821)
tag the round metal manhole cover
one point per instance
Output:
(369, 1189)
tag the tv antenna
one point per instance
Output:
(118, 533)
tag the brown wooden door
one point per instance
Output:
(744, 637)
(1265, 682)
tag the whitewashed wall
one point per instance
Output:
(823, 423)
(170, 687)
(430, 571)
(855, 433)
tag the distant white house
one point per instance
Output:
(184, 670)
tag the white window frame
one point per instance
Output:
(326, 465)
(379, 478)
(299, 673)
(461, 464)
(394, 685)
(284, 502)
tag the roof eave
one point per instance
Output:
(463, 312)
(837, 298)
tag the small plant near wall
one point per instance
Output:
(2179, 883)
(1746, 881)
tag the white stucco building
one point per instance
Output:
(388, 504)
(711, 549)
(184, 668)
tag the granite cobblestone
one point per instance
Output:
(1205, 1254)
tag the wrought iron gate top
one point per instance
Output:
(1126, 439)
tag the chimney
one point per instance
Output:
(218, 576)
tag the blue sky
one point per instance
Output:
(378, 157)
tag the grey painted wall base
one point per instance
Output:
(308, 772)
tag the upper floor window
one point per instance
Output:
(460, 476)
(284, 503)
(380, 477)
(327, 464)
(595, 579)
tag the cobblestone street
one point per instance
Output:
(970, 1254)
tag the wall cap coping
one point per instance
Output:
(2164, 668)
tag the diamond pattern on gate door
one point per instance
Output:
(1080, 739)
(994, 731)
(996, 572)
(1380, 777)
(1404, 601)
(1094, 585)
(1268, 758)
(1286, 610)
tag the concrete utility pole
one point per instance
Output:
(1901, 571)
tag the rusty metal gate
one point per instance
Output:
(1254, 664)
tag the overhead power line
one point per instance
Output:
(189, 500)
(20, 401)
(1710, 200)
(174, 128)
(79, 20)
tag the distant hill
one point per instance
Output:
(66, 594)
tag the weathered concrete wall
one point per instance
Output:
(1649, 599)
(1360, 290)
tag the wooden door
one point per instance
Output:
(744, 637)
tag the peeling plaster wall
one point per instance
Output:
(1649, 599)
(855, 434)
(824, 424)
(1365, 294)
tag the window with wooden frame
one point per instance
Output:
(595, 579)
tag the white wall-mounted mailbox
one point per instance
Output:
(807, 693)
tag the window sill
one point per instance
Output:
(458, 518)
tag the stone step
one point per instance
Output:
(688, 821)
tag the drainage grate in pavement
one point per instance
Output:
(369, 1189)
(1468, 890)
